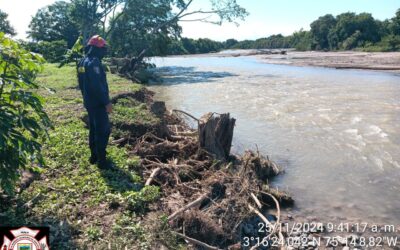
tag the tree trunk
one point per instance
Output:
(215, 134)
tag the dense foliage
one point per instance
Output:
(5, 25)
(346, 31)
(52, 51)
(135, 27)
(137, 22)
(23, 122)
(132, 27)
(54, 23)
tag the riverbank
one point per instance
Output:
(382, 61)
(164, 190)
(139, 203)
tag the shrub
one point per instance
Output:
(388, 43)
(23, 122)
(52, 51)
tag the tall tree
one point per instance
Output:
(320, 29)
(5, 25)
(136, 24)
(368, 27)
(189, 44)
(229, 43)
(178, 11)
(395, 24)
(353, 30)
(91, 15)
(54, 23)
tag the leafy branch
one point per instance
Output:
(23, 121)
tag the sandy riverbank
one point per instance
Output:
(389, 61)
(382, 61)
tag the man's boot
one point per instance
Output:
(102, 162)
(93, 157)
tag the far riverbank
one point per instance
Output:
(381, 61)
(387, 61)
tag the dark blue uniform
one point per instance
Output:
(94, 88)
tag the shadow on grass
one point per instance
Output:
(172, 75)
(118, 179)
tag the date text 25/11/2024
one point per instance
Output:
(343, 227)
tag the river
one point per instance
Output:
(335, 132)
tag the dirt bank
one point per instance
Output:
(389, 61)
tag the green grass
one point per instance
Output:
(85, 206)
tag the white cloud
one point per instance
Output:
(20, 13)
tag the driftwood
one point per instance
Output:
(119, 141)
(197, 242)
(206, 196)
(256, 200)
(215, 134)
(154, 173)
(186, 207)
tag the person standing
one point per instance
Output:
(96, 99)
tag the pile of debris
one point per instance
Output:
(214, 199)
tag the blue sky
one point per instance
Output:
(266, 16)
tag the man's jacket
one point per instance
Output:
(93, 83)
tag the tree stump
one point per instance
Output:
(215, 134)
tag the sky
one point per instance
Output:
(266, 17)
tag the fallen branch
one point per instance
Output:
(190, 205)
(54, 189)
(197, 242)
(153, 174)
(178, 137)
(121, 140)
(185, 113)
(32, 201)
(265, 220)
(165, 165)
(262, 217)
(256, 200)
(186, 133)
(278, 216)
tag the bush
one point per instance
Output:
(388, 43)
(23, 122)
(52, 51)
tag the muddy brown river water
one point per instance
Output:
(335, 132)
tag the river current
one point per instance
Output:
(335, 132)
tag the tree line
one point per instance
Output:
(132, 27)
(139, 24)
(347, 31)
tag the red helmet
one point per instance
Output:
(97, 41)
